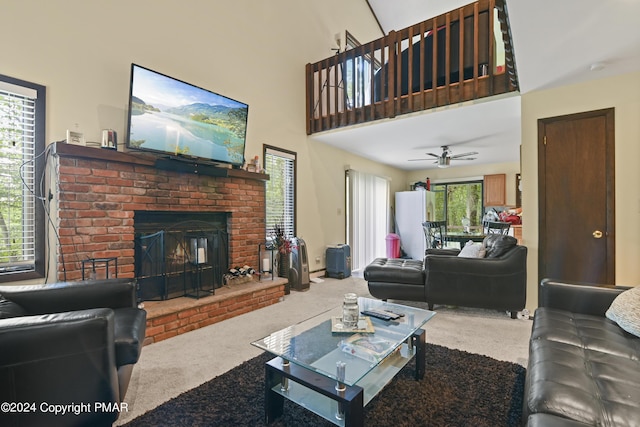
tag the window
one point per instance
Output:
(458, 200)
(358, 75)
(280, 189)
(22, 118)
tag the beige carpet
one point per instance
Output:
(176, 365)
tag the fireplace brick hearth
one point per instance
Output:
(167, 319)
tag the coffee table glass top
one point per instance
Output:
(313, 345)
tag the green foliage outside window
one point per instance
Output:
(455, 201)
(11, 185)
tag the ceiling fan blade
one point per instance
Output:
(471, 153)
(418, 160)
(431, 154)
(465, 158)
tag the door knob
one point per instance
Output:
(597, 234)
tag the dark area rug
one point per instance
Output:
(459, 389)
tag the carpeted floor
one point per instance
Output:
(459, 389)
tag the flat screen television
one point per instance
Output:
(179, 120)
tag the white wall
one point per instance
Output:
(252, 51)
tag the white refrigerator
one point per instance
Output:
(412, 209)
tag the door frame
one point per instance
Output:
(609, 116)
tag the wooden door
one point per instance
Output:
(576, 197)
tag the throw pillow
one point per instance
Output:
(625, 311)
(498, 244)
(472, 250)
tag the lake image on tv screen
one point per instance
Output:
(174, 117)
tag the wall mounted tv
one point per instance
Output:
(183, 121)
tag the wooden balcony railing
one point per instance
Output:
(394, 75)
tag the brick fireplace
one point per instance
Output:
(100, 190)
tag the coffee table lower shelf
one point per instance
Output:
(338, 403)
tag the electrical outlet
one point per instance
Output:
(317, 260)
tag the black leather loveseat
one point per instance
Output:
(68, 347)
(496, 281)
(583, 369)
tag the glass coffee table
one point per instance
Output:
(335, 373)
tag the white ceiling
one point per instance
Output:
(555, 43)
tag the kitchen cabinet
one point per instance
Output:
(495, 190)
(517, 233)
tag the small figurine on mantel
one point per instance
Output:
(254, 165)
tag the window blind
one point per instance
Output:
(280, 190)
(17, 178)
(367, 217)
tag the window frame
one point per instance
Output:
(445, 184)
(356, 74)
(39, 158)
(285, 153)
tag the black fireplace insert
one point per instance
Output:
(180, 254)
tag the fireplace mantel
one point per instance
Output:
(138, 158)
(100, 190)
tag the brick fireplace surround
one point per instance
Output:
(99, 190)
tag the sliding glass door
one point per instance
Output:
(367, 217)
(456, 201)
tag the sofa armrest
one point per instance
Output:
(439, 251)
(72, 296)
(577, 297)
(61, 358)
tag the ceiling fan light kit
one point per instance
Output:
(444, 162)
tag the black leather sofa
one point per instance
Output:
(583, 369)
(445, 278)
(68, 347)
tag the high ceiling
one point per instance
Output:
(555, 43)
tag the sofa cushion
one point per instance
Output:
(548, 420)
(9, 309)
(498, 244)
(583, 385)
(625, 311)
(584, 331)
(395, 270)
(584, 368)
(473, 250)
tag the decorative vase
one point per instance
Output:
(284, 264)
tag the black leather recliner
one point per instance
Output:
(68, 347)
(443, 277)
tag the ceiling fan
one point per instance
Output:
(444, 160)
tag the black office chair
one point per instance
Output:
(436, 233)
(496, 227)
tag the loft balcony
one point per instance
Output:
(469, 50)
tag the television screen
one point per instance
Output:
(175, 118)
